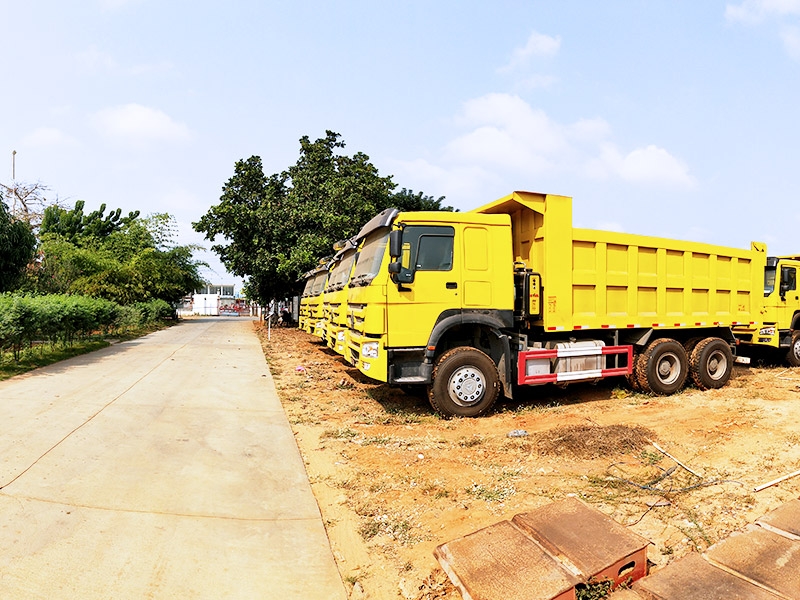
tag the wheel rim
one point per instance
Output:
(796, 348)
(466, 386)
(668, 369)
(717, 365)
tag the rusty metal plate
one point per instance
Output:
(625, 595)
(785, 519)
(761, 556)
(692, 578)
(581, 535)
(500, 562)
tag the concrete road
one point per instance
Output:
(159, 468)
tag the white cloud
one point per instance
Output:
(790, 36)
(538, 45)
(137, 123)
(506, 144)
(755, 11)
(462, 184)
(47, 137)
(508, 134)
(651, 164)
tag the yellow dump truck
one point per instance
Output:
(510, 294)
(335, 296)
(311, 301)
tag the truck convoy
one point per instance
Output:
(510, 294)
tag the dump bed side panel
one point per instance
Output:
(625, 280)
(606, 280)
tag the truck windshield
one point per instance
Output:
(319, 283)
(370, 257)
(769, 280)
(341, 271)
(308, 287)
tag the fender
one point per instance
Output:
(495, 320)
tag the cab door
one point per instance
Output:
(786, 297)
(427, 285)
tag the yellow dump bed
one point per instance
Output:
(608, 280)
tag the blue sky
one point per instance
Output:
(669, 118)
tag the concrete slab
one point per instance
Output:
(692, 578)
(761, 556)
(625, 595)
(784, 520)
(159, 468)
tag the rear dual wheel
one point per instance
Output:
(711, 363)
(662, 367)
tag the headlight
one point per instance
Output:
(340, 336)
(767, 331)
(370, 350)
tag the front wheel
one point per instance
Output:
(793, 355)
(465, 383)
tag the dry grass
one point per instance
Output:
(393, 480)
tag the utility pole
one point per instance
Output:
(13, 165)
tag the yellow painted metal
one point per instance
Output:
(335, 299)
(480, 276)
(311, 303)
(604, 280)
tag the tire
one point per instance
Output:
(691, 343)
(633, 378)
(465, 383)
(793, 355)
(662, 368)
(711, 363)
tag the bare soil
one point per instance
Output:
(393, 480)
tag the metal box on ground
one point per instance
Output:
(501, 562)
(589, 542)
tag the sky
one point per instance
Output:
(673, 118)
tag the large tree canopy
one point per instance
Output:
(276, 227)
(17, 246)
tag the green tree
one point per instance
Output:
(407, 200)
(276, 227)
(17, 248)
(124, 259)
(83, 229)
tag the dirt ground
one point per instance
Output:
(393, 480)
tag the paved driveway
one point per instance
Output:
(163, 467)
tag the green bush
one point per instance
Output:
(56, 318)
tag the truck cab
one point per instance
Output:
(335, 298)
(780, 328)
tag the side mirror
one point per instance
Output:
(395, 244)
(787, 280)
(394, 269)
